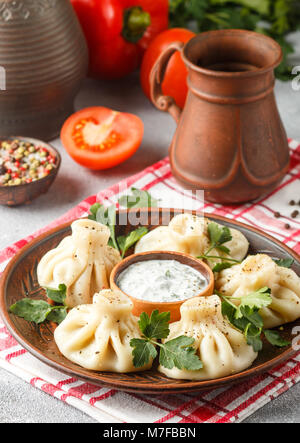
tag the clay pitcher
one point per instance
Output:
(230, 141)
(43, 59)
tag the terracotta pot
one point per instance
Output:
(139, 305)
(230, 140)
(44, 57)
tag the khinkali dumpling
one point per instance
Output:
(221, 348)
(82, 261)
(97, 336)
(259, 271)
(188, 233)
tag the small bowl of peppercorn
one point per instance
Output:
(28, 168)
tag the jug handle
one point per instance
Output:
(164, 102)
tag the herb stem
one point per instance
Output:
(207, 257)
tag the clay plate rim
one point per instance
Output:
(172, 387)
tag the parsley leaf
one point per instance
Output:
(223, 265)
(285, 262)
(38, 311)
(57, 295)
(106, 216)
(275, 339)
(142, 352)
(138, 199)
(253, 336)
(111, 223)
(219, 235)
(257, 299)
(125, 242)
(252, 315)
(177, 352)
(247, 319)
(93, 211)
(58, 314)
(157, 326)
(180, 353)
(31, 310)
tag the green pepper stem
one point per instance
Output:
(136, 21)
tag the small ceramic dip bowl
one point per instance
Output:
(28, 168)
(142, 305)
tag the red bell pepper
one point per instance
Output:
(119, 31)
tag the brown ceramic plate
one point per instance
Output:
(19, 280)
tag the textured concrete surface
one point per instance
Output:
(20, 402)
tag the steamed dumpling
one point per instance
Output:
(188, 233)
(82, 261)
(221, 348)
(97, 336)
(256, 272)
(159, 239)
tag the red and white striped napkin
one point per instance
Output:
(219, 405)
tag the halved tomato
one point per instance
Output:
(100, 138)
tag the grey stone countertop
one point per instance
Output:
(20, 402)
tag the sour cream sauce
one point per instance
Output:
(161, 281)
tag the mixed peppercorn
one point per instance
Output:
(294, 214)
(22, 162)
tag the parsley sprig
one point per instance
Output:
(125, 242)
(247, 319)
(177, 352)
(138, 199)
(218, 236)
(38, 311)
(107, 216)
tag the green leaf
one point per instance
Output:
(257, 299)
(93, 211)
(285, 262)
(223, 248)
(241, 323)
(228, 310)
(180, 353)
(31, 310)
(111, 223)
(126, 242)
(58, 314)
(142, 352)
(275, 339)
(225, 235)
(252, 316)
(260, 6)
(106, 216)
(219, 235)
(221, 266)
(138, 199)
(253, 336)
(214, 232)
(157, 326)
(247, 319)
(57, 295)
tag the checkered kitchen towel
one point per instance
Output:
(221, 405)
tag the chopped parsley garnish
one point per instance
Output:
(247, 319)
(177, 352)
